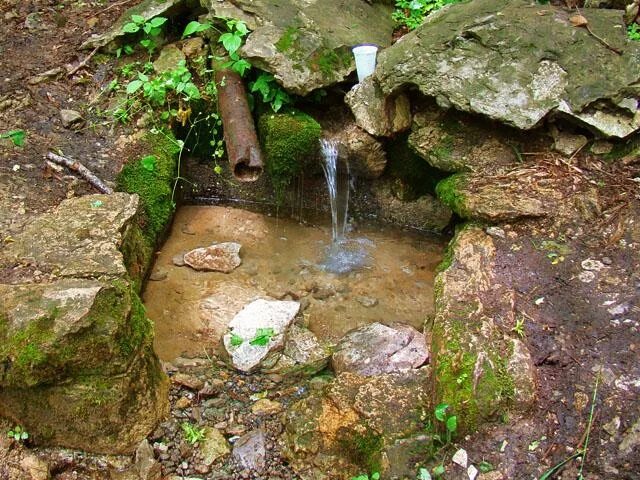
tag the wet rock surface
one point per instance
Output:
(219, 257)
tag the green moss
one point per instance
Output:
(364, 449)
(137, 251)
(449, 193)
(288, 39)
(153, 186)
(328, 60)
(443, 150)
(288, 140)
(140, 328)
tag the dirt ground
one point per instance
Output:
(583, 328)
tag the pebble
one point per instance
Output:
(71, 118)
(183, 403)
(367, 302)
(460, 458)
(158, 275)
(265, 406)
(178, 260)
(190, 381)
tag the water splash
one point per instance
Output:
(337, 175)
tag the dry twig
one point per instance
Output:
(83, 171)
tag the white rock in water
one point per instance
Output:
(219, 257)
(276, 315)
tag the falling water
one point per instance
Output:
(337, 175)
(343, 255)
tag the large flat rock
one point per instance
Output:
(517, 62)
(306, 44)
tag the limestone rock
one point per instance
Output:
(364, 153)
(454, 143)
(250, 450)
(264, 406)
(303, 354)
(214, 446)
(307, 44)
(480, 368)
(568, 143)
(326, 431)
(490, 57)
(145, 464)
(147, 9)
(377, 114)
(169, 59)
(518, 192)
(377, 348)
(71, 118)
(267, 318)
(219, 257)
(81, 237)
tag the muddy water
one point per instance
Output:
(281, 259)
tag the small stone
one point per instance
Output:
(213, 446)
(146, 465)
(211, 388)
(264, 406)
(367, 302)
(192, 47)
(496, 232)
(34, 467)
(178, 260)
(219, 257)
(472, 472)
(592, 265)
(586, 276)
(158, 275)
(613, 426)
(250, 450)
(580, 401)
(601, 147)
(460, 458)
(71, 118)
(189, 381)
(568, 143)
(322, 293)
(183, 402)
(607, 260)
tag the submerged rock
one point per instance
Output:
(377, 348)
(491, 57)
(480, 367)
(257, 331)
(303, 353)
(307, 44)
(219, 257)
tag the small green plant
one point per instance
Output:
(411, 13)
(18, 433)
(519, 327)
(149, 162)
(236, 340)
(155, 89)
(373, 476)
(270, 91)
(450, 422)
(16, 136)
(633, 32)
(150, 28)
(262, 337)
(192, 433)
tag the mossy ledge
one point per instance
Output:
(155, 188)
(289, 140)
(449, 191)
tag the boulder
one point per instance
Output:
(377, 348)
(306, 44)
(491, 57)
(480, 367)
(78, 368)
(520, 192)
(455, 143)
(376, 113)
(219, 257)
(365, 154)
(257, 333)
(170, 57)
(352, 425)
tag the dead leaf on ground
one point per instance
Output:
(578, 21)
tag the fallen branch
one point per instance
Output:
(83, 62)
(83, 171)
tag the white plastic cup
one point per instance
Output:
(365, 56)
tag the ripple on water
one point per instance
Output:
(346, 255)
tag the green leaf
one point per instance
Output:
(485, 467)
(452, 423)
(139, 19)
(130, 28)
(241, 28)
(423, 474)
(195, 27)
(262, 337)
(192, 91)
(439, 470)
(143, 77)
(441, 411)
(157, 21)
(375, 476)
(149, 162)
(16, 136)
(236, 340)
(128, 49)
(133, 86)
(230, 42)
(218, 170)
(241, 66)
(147, 28)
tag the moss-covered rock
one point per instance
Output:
(350, 427)
(290, 141)
(479, 366)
